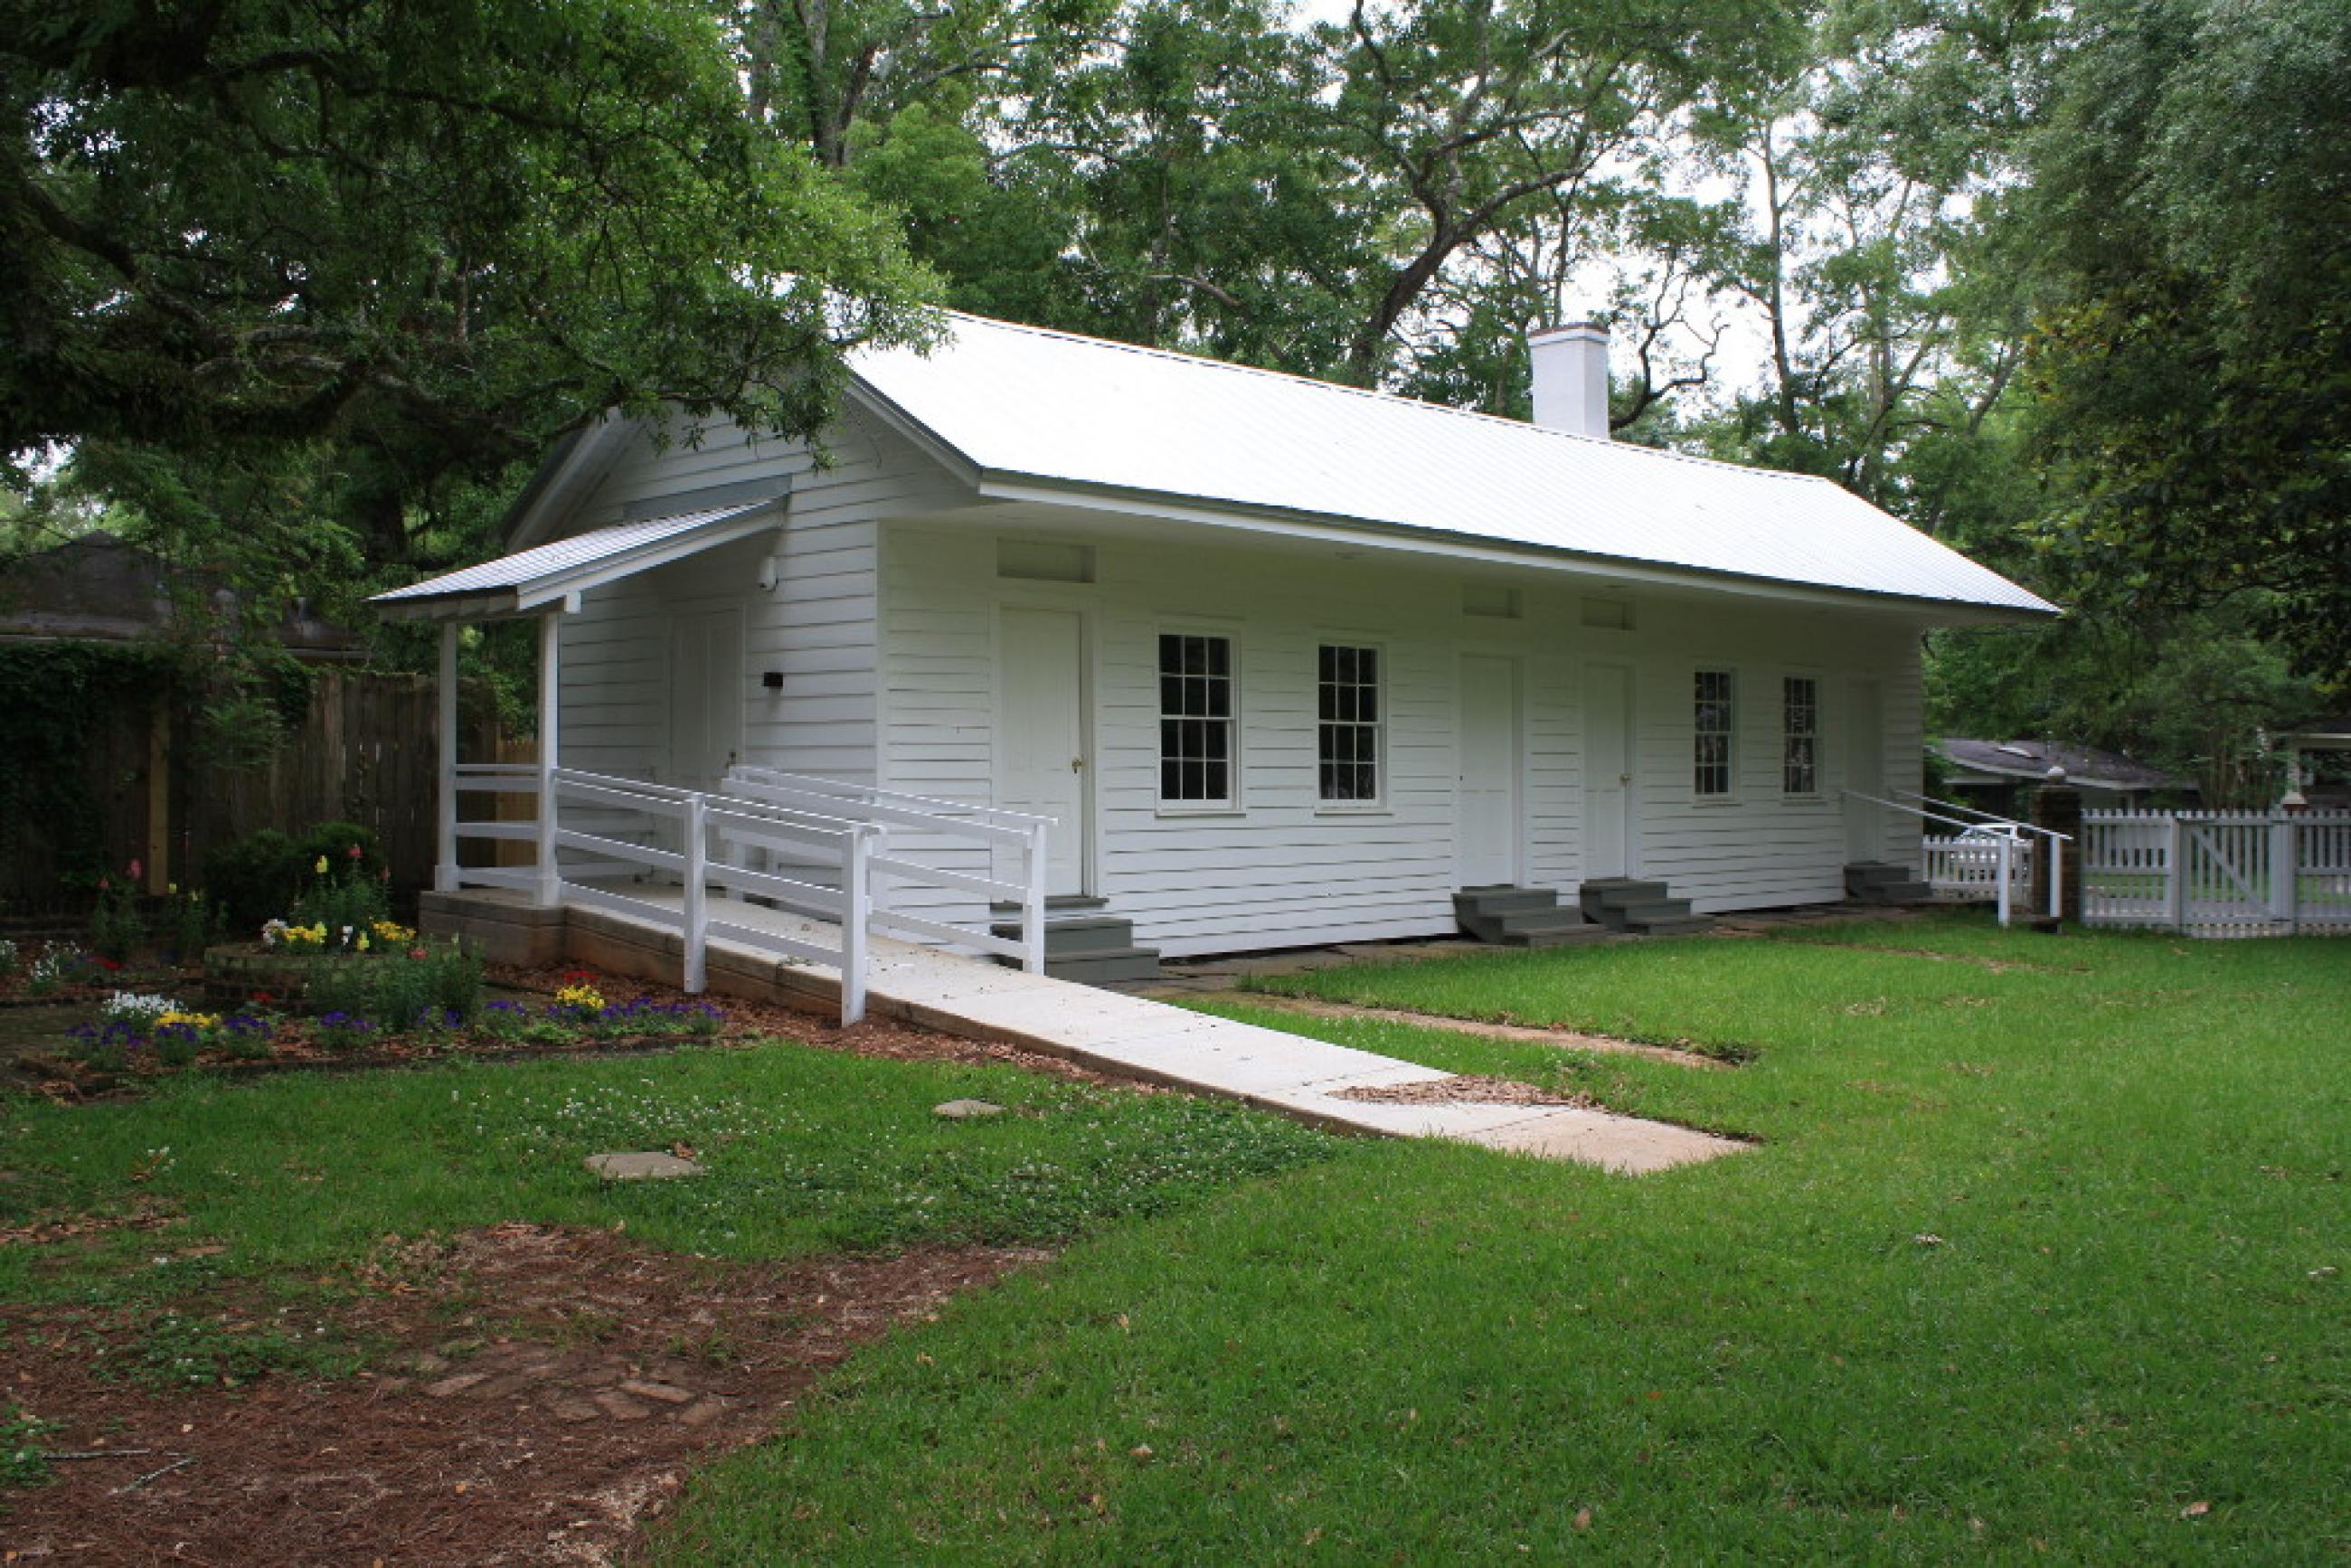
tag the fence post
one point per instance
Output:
(2007, 858)
(2174, 873)
(697, 894)
(1032, 904)
(2283, 865)
(856, 914)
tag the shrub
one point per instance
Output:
(10, 957)
(255, 878)
(194, 922)
(339, 1030)
(116, 930)
(55, 968)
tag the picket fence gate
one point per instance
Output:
(2218, 873)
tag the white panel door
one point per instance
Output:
(1609, 796)
(1487, 842)
(706, 713)
(1040, 737)
(1865, 772)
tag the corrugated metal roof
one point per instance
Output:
(1022, 400)
(547, 563)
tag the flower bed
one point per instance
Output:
(138, 1036)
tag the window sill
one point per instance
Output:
(1179, 809)
(1354, 809)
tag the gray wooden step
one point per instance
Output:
(1640, 905)
(1884, 882)
(1520, 918)
(1083, 942)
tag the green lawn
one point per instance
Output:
(806, 1151)
(2039, 1256)
(2028, 1259)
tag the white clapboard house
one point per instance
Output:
(1284, 663)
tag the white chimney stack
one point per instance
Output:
(1570, 377)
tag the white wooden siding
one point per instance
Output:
(817, 628)
(1279, 871)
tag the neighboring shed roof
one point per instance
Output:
(2084, 765)
(97, 588)
(513, 584)
(1072, 411)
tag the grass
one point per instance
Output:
(282, 1189)
(2042, 1258)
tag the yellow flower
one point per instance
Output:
(583, 997)
(361, 944)
(322, 867)
(197, 1021)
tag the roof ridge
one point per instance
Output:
(1374, 395)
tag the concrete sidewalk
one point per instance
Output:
(1126, 1036)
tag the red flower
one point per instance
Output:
(353, 852)
(418, 952)
(110, 964)
(134, 871)
(578, 977)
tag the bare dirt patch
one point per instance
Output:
(1565, 1038)
(1471, 1089)
(545, 1391)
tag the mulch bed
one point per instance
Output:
(1469, 1088)
(61, 1078)
(548, 1391)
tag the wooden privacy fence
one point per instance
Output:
(2218, 873)
(362, 751)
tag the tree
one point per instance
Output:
(2193, 362)
(267, 266)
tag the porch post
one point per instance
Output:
(550, 879)
(444, 860)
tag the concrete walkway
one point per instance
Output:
(1133, 1037)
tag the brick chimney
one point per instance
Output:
(1570, 377)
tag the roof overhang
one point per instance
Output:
(1358, 533)
(555, 575)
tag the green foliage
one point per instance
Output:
(393, 988)
(255, 878)
(306, 286)
(177, 1349)
(2194, 356)
(194, 923)
(116, 929)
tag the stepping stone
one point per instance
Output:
(644, 1165)
(967, 1110)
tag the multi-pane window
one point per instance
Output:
(1196, 720)
(1715, 714)
(1800, 735)
(1347, 742)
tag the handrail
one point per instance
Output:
(1986, 819)
(989, 826)
(764, 810)
(2008, 843)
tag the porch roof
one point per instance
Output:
(530, 579)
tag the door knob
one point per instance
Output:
(1077, 764)
(1623, 779)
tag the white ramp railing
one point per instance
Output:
(913, 829)
(824, 849)
(2007, 841)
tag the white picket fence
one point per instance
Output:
(1967, 870)
(2218, 873)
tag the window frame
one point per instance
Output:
(1230, 803)
(1381, 686)
(1814, 735)
(1729, 793)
